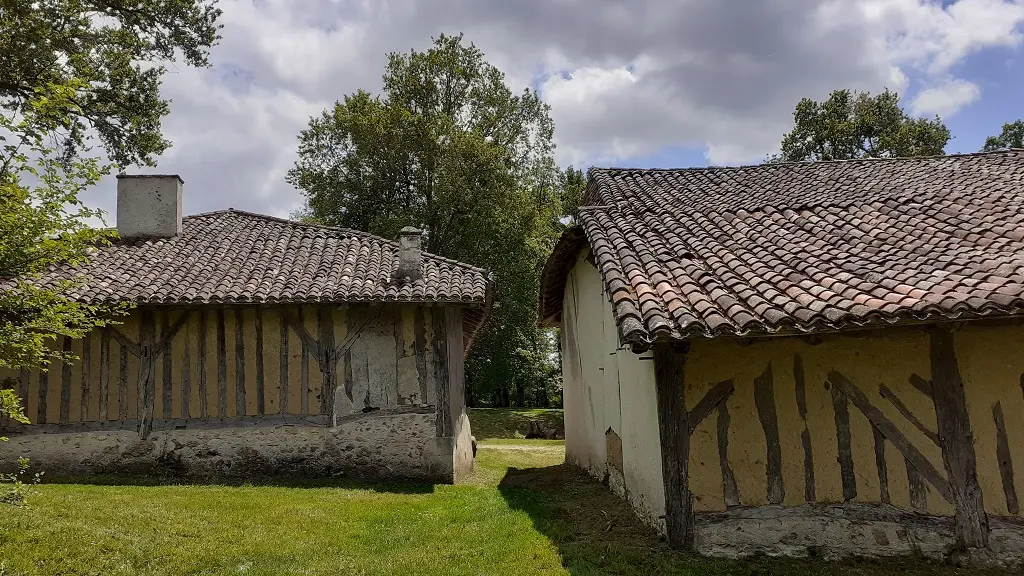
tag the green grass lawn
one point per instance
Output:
(523, 513)
(490, 423)
(313, 528)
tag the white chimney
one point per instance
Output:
(409, 259)
(149, 206)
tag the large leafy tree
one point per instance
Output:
(1012, 136)
(571, 186)
(109, 56)
(450, 148)
(74, 73)
(850, 124)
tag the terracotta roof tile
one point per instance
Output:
(239, 257)
(802, 247)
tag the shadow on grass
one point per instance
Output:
(381, 486)
(596, 532)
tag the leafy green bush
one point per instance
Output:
(13, 486)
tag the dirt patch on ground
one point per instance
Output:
(587, 512)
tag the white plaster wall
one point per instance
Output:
(608, 387)
(641, 444)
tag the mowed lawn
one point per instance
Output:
(523, 513)
(490, 423)
(329, 528)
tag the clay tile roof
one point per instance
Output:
(800, 247)
(236, 257)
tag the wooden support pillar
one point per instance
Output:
(442, 378)
(673, 427)
(764, 400)
(327, 359)
(147, 372)
(956, 440)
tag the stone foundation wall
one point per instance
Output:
(843, 530)
(388, 445)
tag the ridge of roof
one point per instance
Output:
(728, 190)
(329, 228)
(765, 165)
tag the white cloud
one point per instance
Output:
(623, 79)
(936, 37)
(945, 98)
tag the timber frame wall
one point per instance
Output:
(908, 419)
(164, 366)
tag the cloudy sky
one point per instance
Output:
(646, 83)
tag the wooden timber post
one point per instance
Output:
(956, 440)
(674, 430)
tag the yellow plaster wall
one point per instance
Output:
(95, 367)
(384, 357)
(314, 380)
(248, 318)
(272, 362)
(175, 356)
(230, 364)
(130, 375)
(295, 355)
(75, 393)
(992, 367)
(409, 388)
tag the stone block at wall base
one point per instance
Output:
(402, 446)
(848, 530)
(463, 453)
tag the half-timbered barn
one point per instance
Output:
(810, 358)
(257, 345)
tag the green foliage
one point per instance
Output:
(73, 71)
(17, 486)
(107, 54)
(41, 225)
(450, 149)
(572, 184)
(855, 124)
(1012, 136)
(13, 487)
(10, 408)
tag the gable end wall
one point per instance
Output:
(611, 427)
